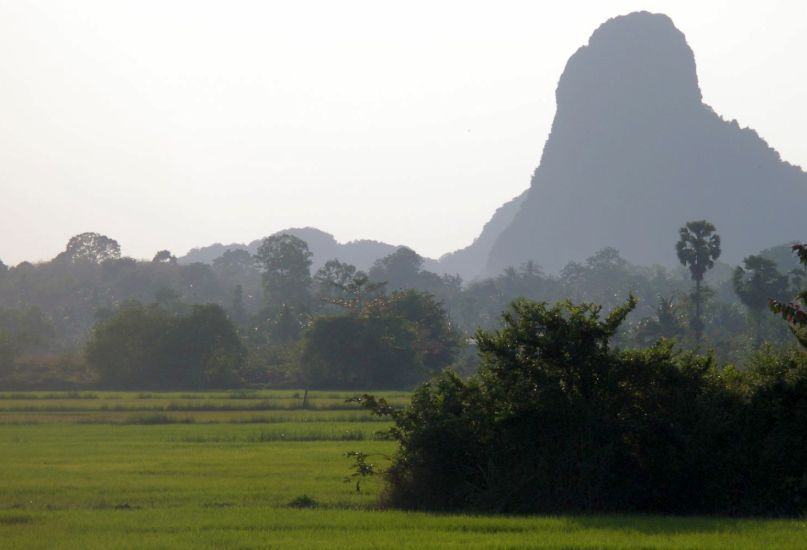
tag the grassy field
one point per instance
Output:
(225, 469)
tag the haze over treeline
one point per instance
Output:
(633, 156)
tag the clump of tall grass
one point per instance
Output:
(303, 501)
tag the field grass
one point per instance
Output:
(152, 477)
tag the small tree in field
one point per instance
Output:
(698, 247)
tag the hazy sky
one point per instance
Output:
(177, 124)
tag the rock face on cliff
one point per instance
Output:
(634, 153)
(469, 262)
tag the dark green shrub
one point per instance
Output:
(149, 347)
(557, 421)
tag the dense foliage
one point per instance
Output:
(795, 312)
(283, 309)
(558, 420)
(148, 347)
(390, 342)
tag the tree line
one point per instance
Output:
(409, 320)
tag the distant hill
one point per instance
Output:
(467, 262)
(324, 247)
(634, 153)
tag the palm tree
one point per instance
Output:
(755, 285)
(698, 248)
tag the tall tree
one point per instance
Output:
(698, 247)
(795, 312)
(164, 257)
(437, 341)
(400, 270)
(286, 263)
(755, 285)
(90, 247)
(390, 342)
(340, 284)
(234, 263)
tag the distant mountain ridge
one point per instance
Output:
(467, 262)
(323, 246)
(633, 154)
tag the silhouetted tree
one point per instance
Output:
(164, 257)
(698, 248)
(149, 347)
(237, 267)
(354, 351)
(401, 269)
(436, 342)
(391, 342)
(756, 285)
(90, 247)
(334, 274)
(795, 312)
(234, 263)
(204, 349)
(341, 285)
(286, 263)
(666, 323)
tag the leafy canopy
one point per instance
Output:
(698, 247)
(795, 312)
(559, 421)
(90, 247)
(286, 264)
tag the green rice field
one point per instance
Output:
(257, 470)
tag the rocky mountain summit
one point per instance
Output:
(634, 153)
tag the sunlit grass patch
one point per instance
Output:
(240, 478)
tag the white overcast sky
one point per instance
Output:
(168, 124)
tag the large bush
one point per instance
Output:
(149, 347)
(393, 341)
(557, 421)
